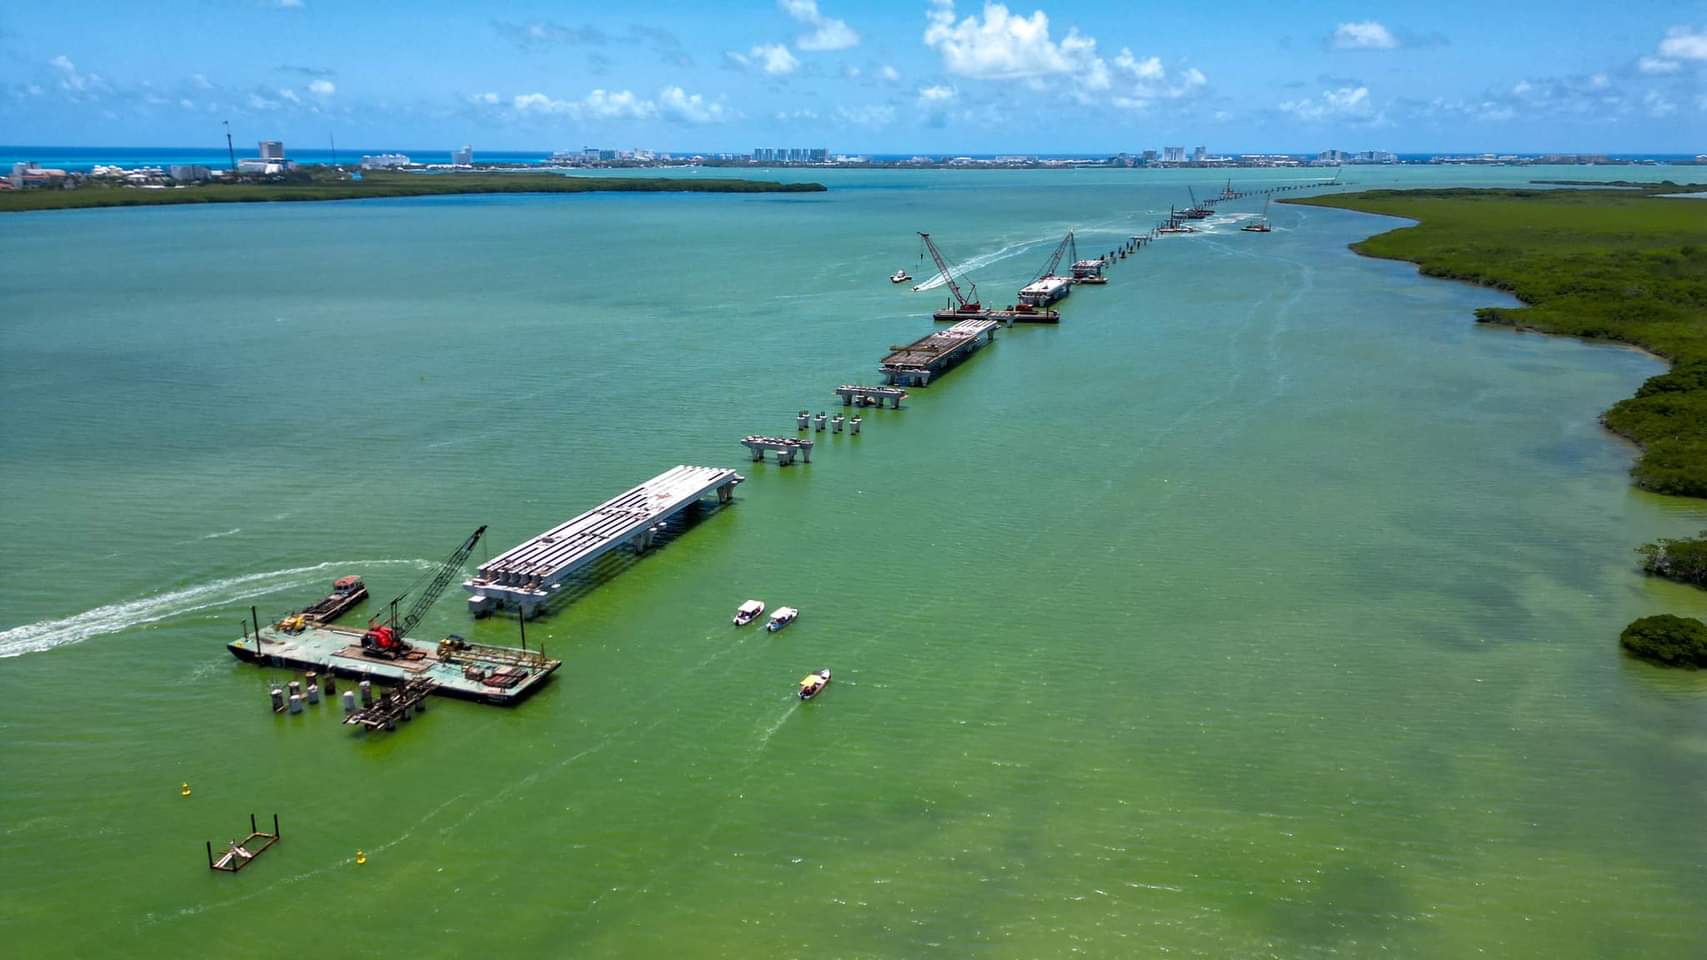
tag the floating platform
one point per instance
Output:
(1089, 271)
(525, 577)
(928, 357)
(465, 671)
(1007, 317)
(855, 395)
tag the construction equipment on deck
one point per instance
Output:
(386, 640)
(964, 302)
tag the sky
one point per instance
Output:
(878, 76)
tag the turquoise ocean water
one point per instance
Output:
(1265, 607)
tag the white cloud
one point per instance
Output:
(288, 4)
(1657, 66)
(1363, 35)
(870, 115)
(1345, 103)
(186, 104)
(1142, 82)
(827, 33)
(1002, 46)
(485, 99)
(683, 107)
(936, 93)
(597, 105)
(772, 58)
(200, 82)
(673, 104)
(322, 88)
(289, 94)
(1684, 43)
(1658, 106)
(74, 81)
(258, 102)
(889, 73)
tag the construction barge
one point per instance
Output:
(1012, 315)
(526, 577)
(454, 667)
(933, 354)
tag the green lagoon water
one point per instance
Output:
(1265, 607)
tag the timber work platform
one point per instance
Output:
(525, 577)
(928, 357)
(787, 448)
(394, 705)
(487, 674)
(240, 853)
(854, 395)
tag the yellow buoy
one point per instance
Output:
(185, 791)
(361, 858)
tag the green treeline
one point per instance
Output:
(1624, 265)
(1683, 560)
(314, 185)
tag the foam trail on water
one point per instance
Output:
(983, 260)
(48, 634)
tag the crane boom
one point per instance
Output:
(387, 640)
(966, 302)
(1055, 258)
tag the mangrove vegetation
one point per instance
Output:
(1665, 639)
(1626, 265)
(1683, 560)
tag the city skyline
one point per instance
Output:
(920, 76)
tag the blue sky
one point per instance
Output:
(890, 76)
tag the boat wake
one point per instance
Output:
(984, 259)
(112, 618)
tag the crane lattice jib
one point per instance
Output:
(451, 568)
(966, 303)
(1055, 258)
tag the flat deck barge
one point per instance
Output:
(917, 363)
(525, 577)
(486, 674)
(1007, 317)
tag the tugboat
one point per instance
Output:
(781, 618)
(748, 612)
(900, 276)
(813, 684)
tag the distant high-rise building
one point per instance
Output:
(1198, 154)
(272, 149)
(1173, 154)
(819, 154)
(1149, 156)
(463, 157)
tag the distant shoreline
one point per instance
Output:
(375, 185)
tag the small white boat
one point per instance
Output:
(782, 618)
(900, 276)
(748, 612)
